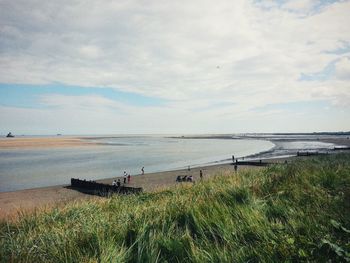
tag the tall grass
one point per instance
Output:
(294, 212)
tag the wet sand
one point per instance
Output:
(50, 142)
(338, 141)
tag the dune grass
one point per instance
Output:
(294, 212)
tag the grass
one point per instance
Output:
(294, 212)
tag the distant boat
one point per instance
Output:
(10, 135)
(59, 134)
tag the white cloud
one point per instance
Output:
(342, 69)
(196, 53)
(90, 51)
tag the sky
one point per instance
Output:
(174, 67)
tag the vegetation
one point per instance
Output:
(294, 212)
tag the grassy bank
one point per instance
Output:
(294, 212)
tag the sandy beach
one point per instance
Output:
(42, 198)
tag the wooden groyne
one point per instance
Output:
(337, 148)
(253, 163)
(92, 187)
(307, 153)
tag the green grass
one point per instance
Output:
(290, 213)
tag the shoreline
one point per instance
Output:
(30, 200)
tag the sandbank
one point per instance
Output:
(50, 142)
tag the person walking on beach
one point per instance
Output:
(129, 178)
(201, 174)
(125, 176)
(143, 170)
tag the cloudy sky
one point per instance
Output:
(144, 66)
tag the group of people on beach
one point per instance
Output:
(184, 178)
(116, 183)
(126, 178)
(189, 178)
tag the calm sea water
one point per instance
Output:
(29, 168)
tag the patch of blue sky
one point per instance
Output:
(298, 106)
(328, 2)
(269, 5)
(326, 73)
(323, 3)
(28, 96)
(280, 3)
(342, 50)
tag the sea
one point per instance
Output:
(110, 156)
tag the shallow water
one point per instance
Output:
(286, 148)
(31, 168)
